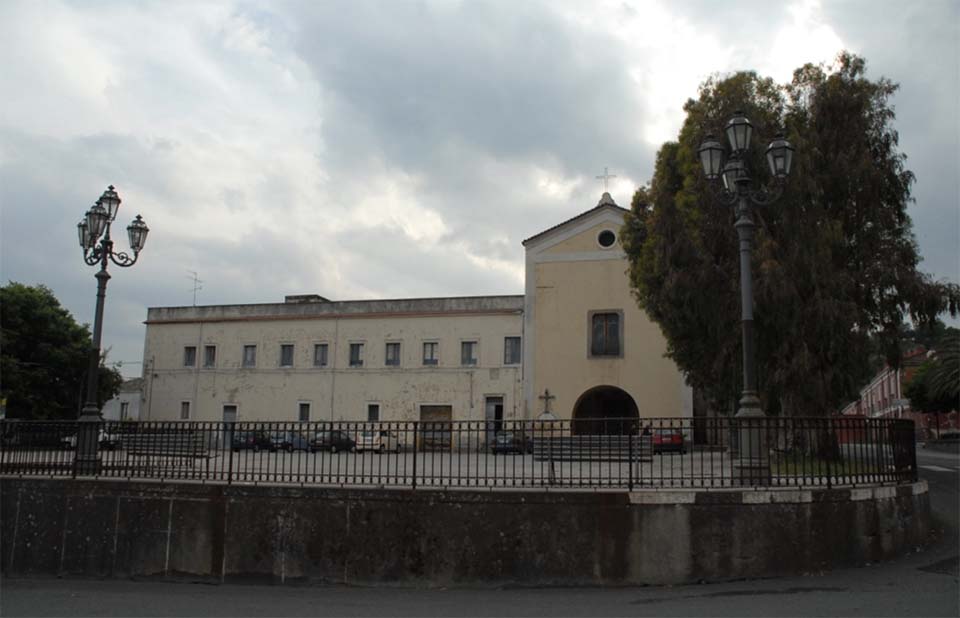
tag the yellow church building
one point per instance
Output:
(575, 342)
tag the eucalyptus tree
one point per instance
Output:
(835, 261)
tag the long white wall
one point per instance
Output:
(337, 391)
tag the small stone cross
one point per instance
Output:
(546, 396)
(605, 177)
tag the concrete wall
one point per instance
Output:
(437, 538)
(269, 392)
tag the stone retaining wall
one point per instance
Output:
(443, 538)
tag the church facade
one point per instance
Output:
(575, 343)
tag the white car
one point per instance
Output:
(379, 441)
(108, 441)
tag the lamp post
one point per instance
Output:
(737, 191)
(94, 234)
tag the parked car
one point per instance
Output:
(511, 442)
(108, 441)
(379, 440)
(17, 435)
(254, 441)
(291, 441)
(668, 439)
(333, 441)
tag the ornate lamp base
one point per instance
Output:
(752, 466)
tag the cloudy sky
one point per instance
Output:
(392, 148)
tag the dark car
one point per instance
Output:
(291, 441)
(668, 440)
(39, 435)
(333, 441)
(511, 442)
(254, 441)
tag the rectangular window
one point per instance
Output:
(304, 412)
(430, 353)
(356, 355)
(468, 353)
(393, 354)
(249, 356)
(286, 355)
(373, 412)
(124, 410)
(320, 355)
(209, 356)
(605, 334)
(189, 356)
(511, 350)
(184, 410)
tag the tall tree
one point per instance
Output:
(834, 259)
(44, 356)
(942, 378)
(925, 397)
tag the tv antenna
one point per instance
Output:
(197, 285)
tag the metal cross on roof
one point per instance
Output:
(605, 177)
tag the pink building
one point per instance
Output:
(883, 397)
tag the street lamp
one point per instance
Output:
(737, 191)
(94, 235)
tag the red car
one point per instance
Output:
(668, 439)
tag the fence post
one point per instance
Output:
(827, 449)
(912, 444)
(630, 457)
(76, 444)
(229, 445)
(416, 440)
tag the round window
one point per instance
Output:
(606, 238)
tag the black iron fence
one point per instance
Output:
(598, 453)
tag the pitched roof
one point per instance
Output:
(606, 201)
(132, 385)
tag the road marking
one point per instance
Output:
(938, 469)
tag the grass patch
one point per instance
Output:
(809, 465)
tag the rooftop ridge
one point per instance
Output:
(606, 201)
(436, 306)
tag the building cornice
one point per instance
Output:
(355, 309)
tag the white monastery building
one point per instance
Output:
(575, 342)
(126, 405)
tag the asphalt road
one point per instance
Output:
(940, 470)
(923, 583)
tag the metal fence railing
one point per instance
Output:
(597, 453)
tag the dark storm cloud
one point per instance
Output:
(454, 92)
(407, 270)
(413, 80)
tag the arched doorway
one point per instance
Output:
(605, 410)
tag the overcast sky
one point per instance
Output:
(393, 149)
